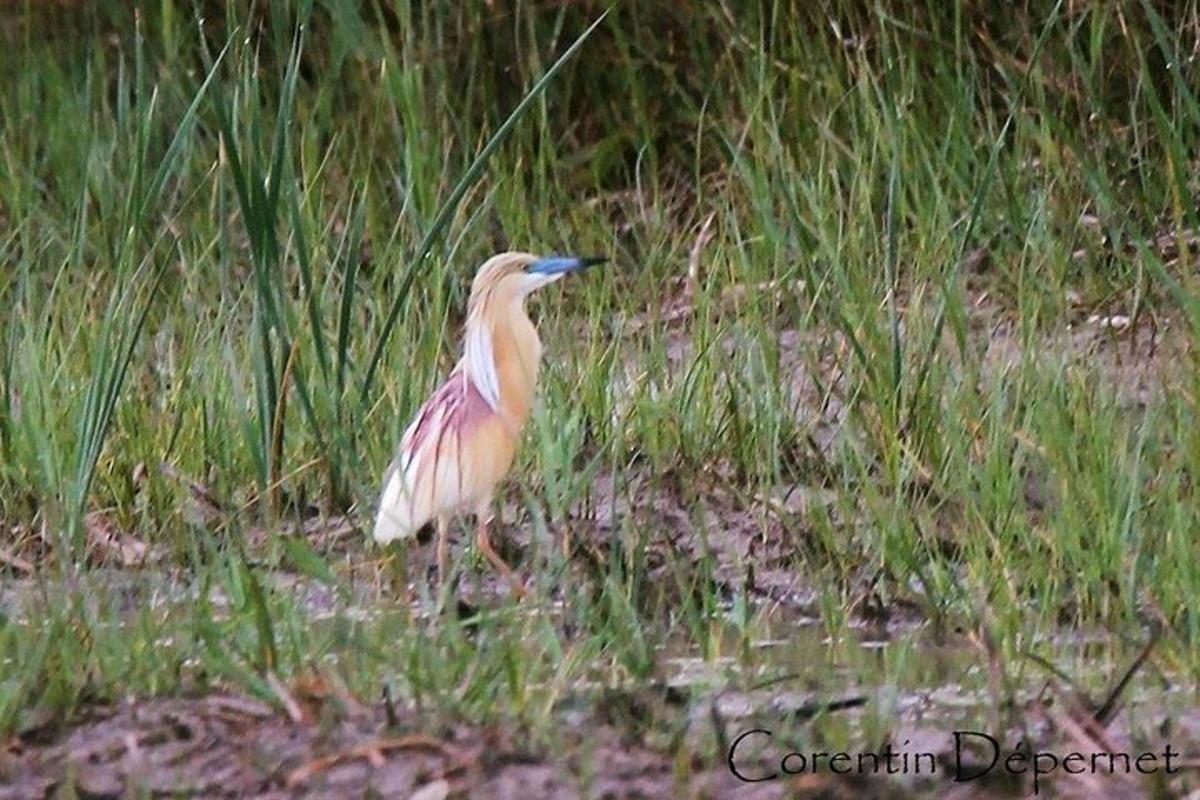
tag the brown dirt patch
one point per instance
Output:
(231, 746)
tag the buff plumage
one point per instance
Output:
(461, 444)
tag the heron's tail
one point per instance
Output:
(398, 517)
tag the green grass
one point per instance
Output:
(242, 248)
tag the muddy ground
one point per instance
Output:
(652, 743)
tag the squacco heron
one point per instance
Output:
(461, 444)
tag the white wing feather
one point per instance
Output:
(425, 479)
(399, 516)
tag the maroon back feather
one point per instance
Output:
(460, 404)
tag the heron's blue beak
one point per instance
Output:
(554, 265)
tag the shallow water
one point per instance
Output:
(856, 690)
(907, 669)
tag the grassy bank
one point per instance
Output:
(900, 322)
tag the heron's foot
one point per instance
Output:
(484, 542)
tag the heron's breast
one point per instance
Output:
(488, 450)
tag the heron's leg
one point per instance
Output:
(484, 543)
(443, 550)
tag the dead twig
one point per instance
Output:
(702, 239)
(1108, 708)
(373, 752)
(16, 562)
(109, 542)
(294, 712)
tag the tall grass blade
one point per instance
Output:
(456, 195)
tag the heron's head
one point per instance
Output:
(515, 275)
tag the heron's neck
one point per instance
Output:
(510, 341)
(518, 350)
